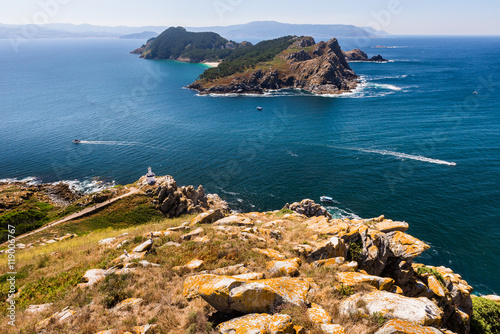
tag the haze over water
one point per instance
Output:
(413, 142)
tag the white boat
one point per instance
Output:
(259, 108)
(76, 141)
(326, 199)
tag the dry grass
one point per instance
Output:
(53, 271)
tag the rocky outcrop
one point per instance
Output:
(358, 55)
(174, 201)
(229, 294)
(308, 208)
(317, 68)
(420, 311)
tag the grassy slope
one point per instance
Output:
(50, 274)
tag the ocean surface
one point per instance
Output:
(412, 142)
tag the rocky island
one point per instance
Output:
(358, 55)
(288, 62)
(195, 266)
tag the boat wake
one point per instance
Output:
(399, 155)
(103, 142)
(339, 213)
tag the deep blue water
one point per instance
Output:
(388, 148)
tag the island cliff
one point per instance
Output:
(317, 68)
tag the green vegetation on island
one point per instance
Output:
(244, 58)
(177, 43)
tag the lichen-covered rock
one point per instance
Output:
(229, 294)
(355, 278)
(397, 326)
(130, 302)
(333, 247)
(285, 267)
(144, 247)
(435, 286)
(237, 269)
(34, 309)
(332, 262)
(272, 253)
(420, 311)
(63, 315)
(387, 226)
(405, 246)
(191, 265)
(144, 329)
(234, 221)
(208, 217)
(258, 324)
(192, 234)
(250, 276)
(332, 329)
(318, 314)
(92, 277)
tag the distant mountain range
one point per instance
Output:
(262, 30)
(254, 31)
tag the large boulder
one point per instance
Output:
(288, 267)
(405, 246)
(229, 294)
(258, 324)
(420, 311)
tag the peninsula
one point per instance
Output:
(177, 260)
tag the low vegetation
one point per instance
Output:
(485, 316)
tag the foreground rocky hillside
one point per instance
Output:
(294, 270)
(317, 68)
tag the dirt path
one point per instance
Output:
(78, 214)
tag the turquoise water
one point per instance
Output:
(413, 142)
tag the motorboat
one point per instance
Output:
(76, 141)
(259, 108)
(326, 199)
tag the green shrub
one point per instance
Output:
(355, 251)
(485, 316)
(115, 289)
(345, 290)
(427, 270)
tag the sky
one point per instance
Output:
(399, 17)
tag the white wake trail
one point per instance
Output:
(116, 143)
(402, 155)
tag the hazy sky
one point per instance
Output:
(394, 16)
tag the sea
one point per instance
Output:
(417, 141)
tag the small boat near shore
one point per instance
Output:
(259, 108)
(327, 199)
(76, 141)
